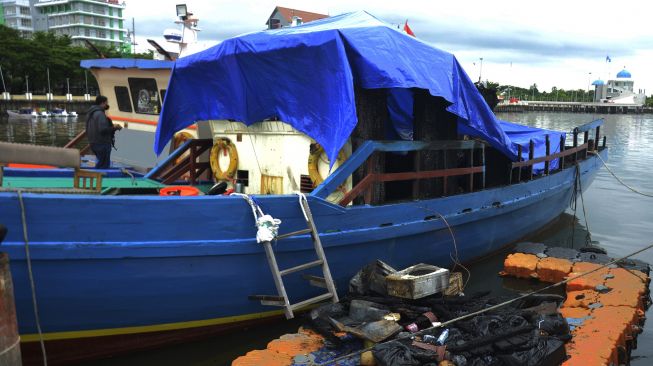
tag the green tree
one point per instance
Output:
(22, 58)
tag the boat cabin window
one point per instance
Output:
(162, 92)
(145, 95)
(122, 96)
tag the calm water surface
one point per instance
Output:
(618, 219)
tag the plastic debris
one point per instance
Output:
(370, 279)
(442, 339)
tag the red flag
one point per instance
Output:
(408, 30)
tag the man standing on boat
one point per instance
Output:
(100, 131)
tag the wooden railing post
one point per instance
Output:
(371, 171)
(575, 145)
(597, 138)
(483, 164)
(531, 154)
(586, 138)
(193, 178)
(547, 145)
(519, 152)
(471, 175)
(562, 149)
(445, 180)
(416, 166)
(71, 144)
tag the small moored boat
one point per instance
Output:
(26, 113)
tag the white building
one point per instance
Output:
(17, 14)
(100, 21)
(620, 90)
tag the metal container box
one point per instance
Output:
(417, 281)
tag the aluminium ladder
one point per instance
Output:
(325, 282)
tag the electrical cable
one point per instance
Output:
(456, 259)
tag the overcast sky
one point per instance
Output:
(553, 43)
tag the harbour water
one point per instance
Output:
(618, 219)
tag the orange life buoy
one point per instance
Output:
(179, 140)
(314, 158)
(224, 144)
(179, 191)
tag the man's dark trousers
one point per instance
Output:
(103, 154)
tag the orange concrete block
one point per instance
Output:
(584, 360)
(521, 265)
(263, 357)
(591, 342)
(296, 344)
(580, 299)
(575, 312)
(623, 278)
(621, 297)
(553, 269)
(582, 267)
(588, 282)
(602, 328)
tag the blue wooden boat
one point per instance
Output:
(115, 273)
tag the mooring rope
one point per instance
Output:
(619, 179)
(10, 348)
(482, 311)
(578, 188)
(31, 277)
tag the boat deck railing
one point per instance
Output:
(523, 169)
(183, 161)
(76, 140)
(365, 154)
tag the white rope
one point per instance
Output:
(254, 150)
(16, 343)
(31, 277)
(302, 197)
(618, 179)
(267, 227)
(256, 211)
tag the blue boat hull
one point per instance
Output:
(109, 266)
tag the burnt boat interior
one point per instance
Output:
(438, 162)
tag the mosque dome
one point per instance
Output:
(624, 74)
(598, 82)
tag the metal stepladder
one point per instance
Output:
(281, 299)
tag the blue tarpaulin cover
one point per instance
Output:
(522, 135)
(305, 76)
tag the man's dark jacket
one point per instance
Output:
(99, 129)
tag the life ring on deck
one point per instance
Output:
(227, 146)
(314, 159)
(178, 140)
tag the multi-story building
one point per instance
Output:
(620, 90)
(99, 21)
(17, 14)
(286, 17)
